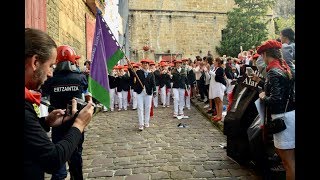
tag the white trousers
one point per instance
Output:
(112, 98)
(123, 99)
(116, 98)
(134, 99)
(155, 98)
(188, 105)
(168, 96)
(163, 95)
(144, 107)
(178, 101)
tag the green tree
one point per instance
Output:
(284, 22)
(246, 26)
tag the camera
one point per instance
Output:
(80, 105)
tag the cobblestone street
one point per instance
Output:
(114, 148)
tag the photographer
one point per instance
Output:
(66, 84)
(40, 154)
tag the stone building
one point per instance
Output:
(184, 28)
(70, 22)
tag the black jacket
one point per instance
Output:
(179, 79)
(157, 77)
(220, 76)
(40, 154)
(278, 87)
(164, 80)
(62, 87)
(148, 82)
(113, 83)
(123, 83)
(191, 77)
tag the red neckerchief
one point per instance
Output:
(31, 96)
(276, 64)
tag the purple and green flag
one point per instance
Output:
(106, 53)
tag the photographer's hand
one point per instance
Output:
(58, 116)
(55, 117)
(84, 116)
(255, 78)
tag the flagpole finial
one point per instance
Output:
(99, 11)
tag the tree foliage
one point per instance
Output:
(246, 27)
(284, 22)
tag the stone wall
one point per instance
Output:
(66, 24)
(190, 27)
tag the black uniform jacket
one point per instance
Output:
(179, 79)
(113, 83)
(123, 83)
(157, 77)
(148, 82)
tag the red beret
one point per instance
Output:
(177, 61)
(135, 65)
(163, 64)
(151, 62)
(145, 60)
(255, 56)
(77, 57)
(268, 45)
(165, 60)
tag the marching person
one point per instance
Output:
(164, 76)
(191, 80)
(156, 74)
(40, 153)
(133, 80)
(180, 83)
(145, 91)
(123, 88)
(67, 82)
(113, 83)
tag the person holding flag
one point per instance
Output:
(145, 88)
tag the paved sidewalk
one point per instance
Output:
(114, 148)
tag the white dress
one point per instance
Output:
(285, 139)
(216, 89)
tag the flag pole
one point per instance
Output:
(129, 64)
(128, 61)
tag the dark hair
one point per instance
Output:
(210, 60)
(204, 58)
(87, 62)
(219, 60)
(277, 54)
(37, 42)
(289, 33)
